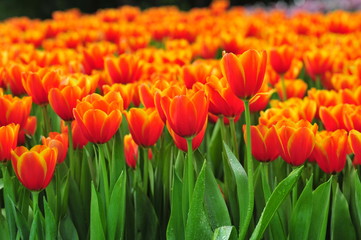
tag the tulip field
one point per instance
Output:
(213, 123)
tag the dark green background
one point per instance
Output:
(44, 8)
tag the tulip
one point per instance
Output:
(29, 129)
(14, 110)
(296, 140)
(331, 150)
(35, 167)
(130, 151)
(145, 126)
(244, 73)
(195, 73)
(58, 141)
(355, 144)
(293, 88)
(281, 58)
(124, 69)
(9, 140)
(99, 116)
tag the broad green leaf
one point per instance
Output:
(198, 225)
(274, 202)
(96, 225)
(50, 223)
(321, 202)
(175, 228)
(116, 210)
(35, 226)
(4, 231)
(341, 223)
(302, 213)
(117, 160)
(146, 220)
(1, 183)
(67, 229)
(356, 204)
(241, 178)
(214, 150)
(225, 233)
(9, 195)
(21, 222)
(77, 210)
(275, 227)
(214, 204)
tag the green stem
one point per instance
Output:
(104, 174)
(243, 230)
(34, 227)
(145, 170)
(234, 136)
(70, 149)
(190, 169)
(46, 119)
(318, 82)
(284, 89)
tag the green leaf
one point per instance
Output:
(214, 204)
(50, 223)
(34, 226)
(241, 182)
(356, 204)
(275, 201)
(321, 202)
(175, 228)
(1, 183)
(146, 220)
(8, 201)
(225, 233)
(67, 229)
(198, 225)
(116, 210)
(214, 151)
(4, 231)
(302, 213)
(96, 225)
(341, 223)
(21, 222)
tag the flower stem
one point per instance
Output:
(34, 226)
(46, 120)
(104, 173)
(244, 228)
(318, 82)
(70, 149)
(190, 169)
(284, 90)
(234, 136)
(145, 170)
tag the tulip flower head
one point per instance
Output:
(9, 140)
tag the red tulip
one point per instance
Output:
(9, 140)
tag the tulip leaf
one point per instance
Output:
(1, 183)
(67, 229)
(20, 220)
(116, 210)
(146, 220)
(96, 225)
(356, 204)
(225, 233)
(198, 225)
(4, 231)
(50, 223)
(10, 210)
(341, 223)
(117, 160)
(214, 151)
(175, 228)
(35, 226)
(302, 213)
(241, 182)
(274, 202)
(321, 202)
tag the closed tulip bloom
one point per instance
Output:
(14, 110)
(29, 129)
(124, 69)
(99, 116)
(296, 140)
(9, 140)
(35, 167)
(64, 100)
(333, 117)
(195, 73)
(244, 73)
(355, 144)
(38, 84)
(186, 114)
(331, 150)
(264, 143)
(281, 58)
(130, 151)
(317, 62)
(145, 125)
(222, 100)
(60, 142)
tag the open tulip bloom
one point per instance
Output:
(214, 123)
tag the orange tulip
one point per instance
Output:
(124, 69)
(317, 63)
(333, 117)
(130, 151)
(355, 144)
(13, 78)
(29, 129)
(296, 140)
(245, 73)
(222, 100)
(9, 140)
(58, 141)
(14, 110)
(64, 100)
(281, 58)
(79, 140)
(38, 84)
(195, 73)
(294, 88)
(145, 126)
(264, 143)
(331, 150)
(99, 116)
(35, 167)
(186, 114)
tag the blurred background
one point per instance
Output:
(43, 8)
